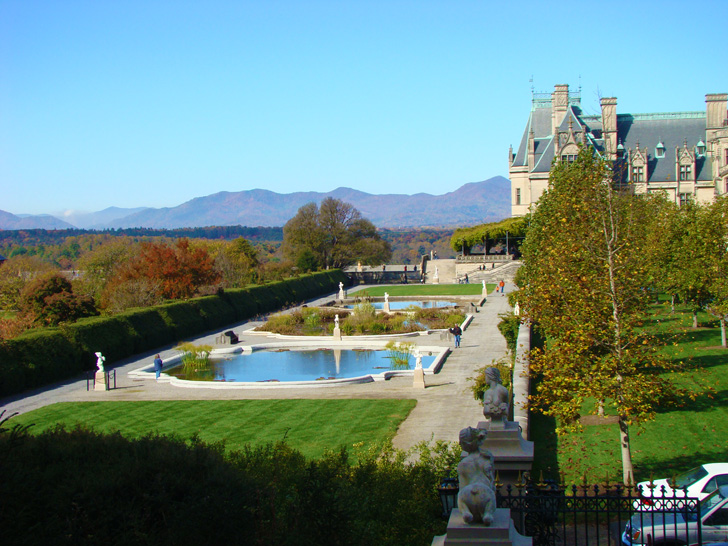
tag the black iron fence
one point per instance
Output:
(599, 515)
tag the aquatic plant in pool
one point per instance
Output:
(299, 365)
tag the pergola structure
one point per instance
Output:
(488, 236)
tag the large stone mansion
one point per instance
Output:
(684, 154)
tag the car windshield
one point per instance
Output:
(709, 502)
(690, 477)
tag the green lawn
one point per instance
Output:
(679, 438)
(474, 289)
(310, 426)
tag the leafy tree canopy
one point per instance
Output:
(335, 234)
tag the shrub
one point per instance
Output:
(87, 487)
(508, 326)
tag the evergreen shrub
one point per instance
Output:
(42, 356)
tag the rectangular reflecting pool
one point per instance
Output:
(298, 365)
(399, 305)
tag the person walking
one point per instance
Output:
(158, 366)
(502, 285)
(457, 332)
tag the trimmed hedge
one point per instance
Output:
(46, 355)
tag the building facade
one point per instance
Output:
(683, 154)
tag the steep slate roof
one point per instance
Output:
(672, 129)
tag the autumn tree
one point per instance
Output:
(713, 259)
(334, 235)
(237, 263)
(583, 283)
(15, 273)
(177, 271)
(50, 300)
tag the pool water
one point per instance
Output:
(298, 365)
(398, 305)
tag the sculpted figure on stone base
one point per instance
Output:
(495, 398)
(476, 498)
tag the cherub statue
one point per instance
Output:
(100, 361)
(495, 398)
(386, 297)
(418, 358)
(476, 498)
(336, 321)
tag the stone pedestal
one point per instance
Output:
(337, 333)
(342, 295)
(512, 454)
(386, 307)
(501, 532)
(100, 382)
(418, 381)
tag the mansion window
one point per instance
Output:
(684, 198)
(685, 172)
(660, 150)
(518, 196)
(638, 174)
(568, 158)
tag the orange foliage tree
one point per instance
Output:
(179, 270)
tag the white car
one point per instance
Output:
(698, 483)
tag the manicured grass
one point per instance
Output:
(474, 289)
(310, 426)
(679, 438)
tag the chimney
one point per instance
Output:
(715, 113)
(609, 126)
(559, 103)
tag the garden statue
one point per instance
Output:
(418, 358)
(386, 298)
(495, 398)
(100, 361)
(341, 286)
(336, 321)
(437, 271)
(476, 498)
(516, 309)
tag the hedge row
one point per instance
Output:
(43, 356)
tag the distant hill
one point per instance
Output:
(43, 221)
(471, 204)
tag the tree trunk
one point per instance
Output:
(722, 333)
(672, 304)
(695, 318)
(627, 468)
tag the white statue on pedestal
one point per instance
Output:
(437, 272)
(341, 286)
(476, 498)
(100, 361)
(386, 298)
(418, 358)
(336, 321)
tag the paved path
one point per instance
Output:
(443, 408)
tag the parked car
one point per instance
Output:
(672, 528)
(698, 482)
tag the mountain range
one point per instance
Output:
(472, 203)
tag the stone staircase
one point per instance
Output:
(503, 271)
(446, 272)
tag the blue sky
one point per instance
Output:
(152, 103)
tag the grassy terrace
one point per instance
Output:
(678, 439)
(309, 426)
